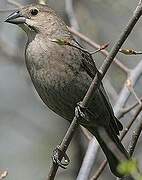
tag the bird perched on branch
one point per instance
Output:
(62, 71)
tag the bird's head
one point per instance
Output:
(38, 19)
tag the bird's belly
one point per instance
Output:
(60, 94)
(61, 102)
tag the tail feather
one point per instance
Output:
(111, 157)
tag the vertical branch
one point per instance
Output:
(88, 160)
(134, 138)
(125, 93)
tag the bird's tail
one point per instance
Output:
(113, 160)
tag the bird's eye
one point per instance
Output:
(34, 12)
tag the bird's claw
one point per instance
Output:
(81, 113)
(57, 153)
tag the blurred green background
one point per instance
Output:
(29, 131)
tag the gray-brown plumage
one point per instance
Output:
(62, 74)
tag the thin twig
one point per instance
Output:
(130, 52)
(89, 158)
(99, 170)
(131, 89)
(139, 4)
(131, 122)
(134, 138)
(125, 93)
(128, 109)
(97, 46)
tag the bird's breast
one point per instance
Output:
(60, 90)
(57, 77)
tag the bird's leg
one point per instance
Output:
(57, 154)
(82, 113)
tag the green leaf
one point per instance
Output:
(140, 178)
(128, 167)
(60, 41)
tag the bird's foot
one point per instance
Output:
(81, 113)
(57, 154)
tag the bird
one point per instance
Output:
(62, 71)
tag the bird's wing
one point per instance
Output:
(115, 123)
(90, 67)
(89, 64)
(87, 61)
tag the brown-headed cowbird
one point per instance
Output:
(62, 73)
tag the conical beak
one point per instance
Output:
(16, 18)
